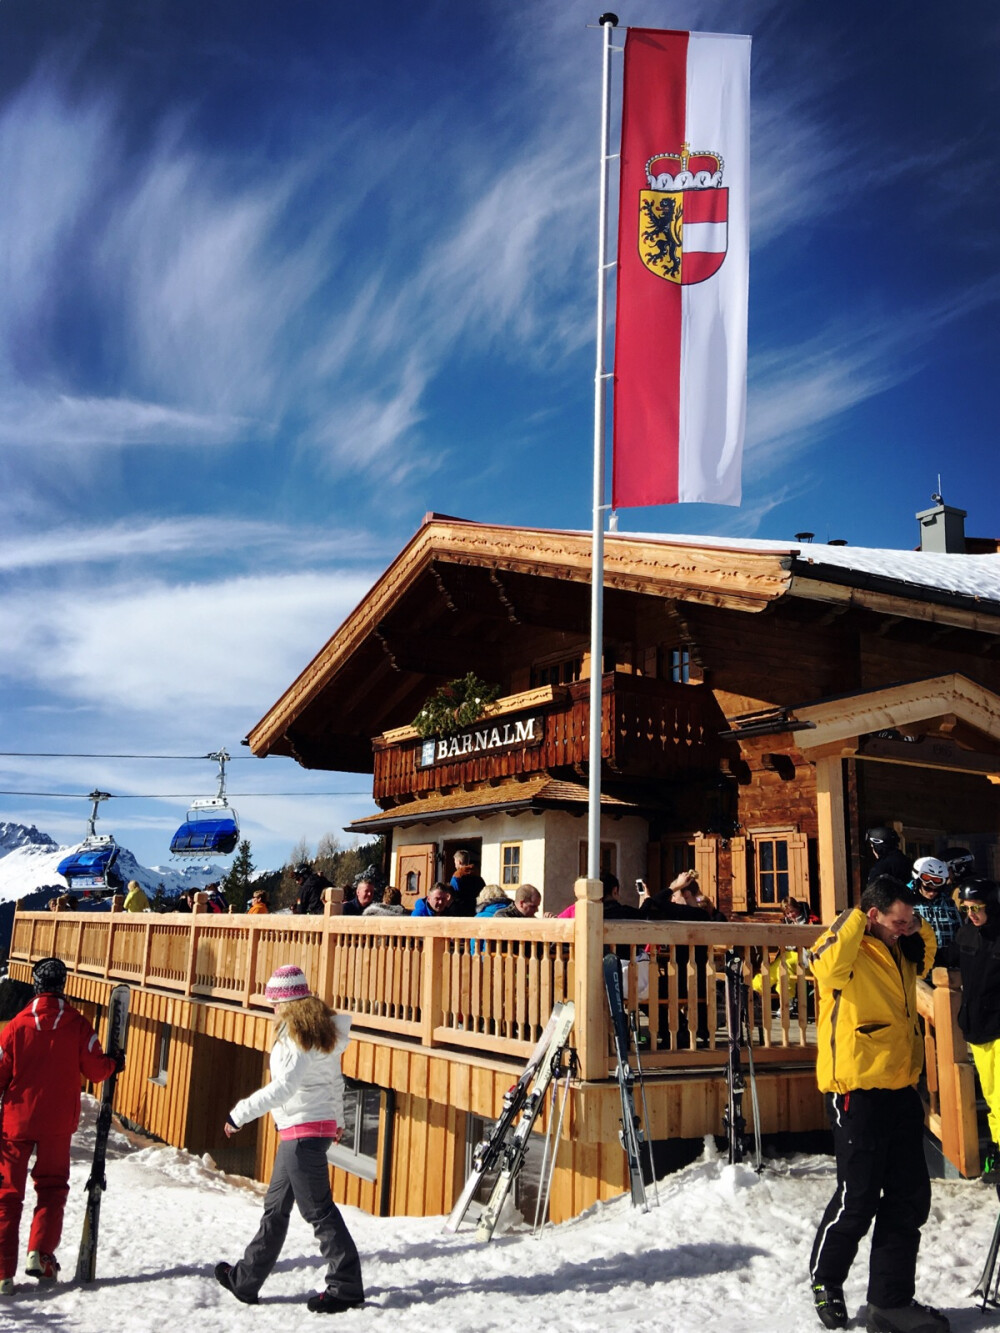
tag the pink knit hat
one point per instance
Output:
(287, 983)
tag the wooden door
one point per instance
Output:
(415, 870)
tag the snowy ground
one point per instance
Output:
(723, 1251)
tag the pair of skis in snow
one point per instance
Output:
(86, 1265)
(738, 1028)
(637, 1146)
(504, 1148)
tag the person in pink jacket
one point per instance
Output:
(43, 1052)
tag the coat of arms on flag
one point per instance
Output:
(683, 216)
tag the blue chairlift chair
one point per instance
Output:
(90, 866)
(212, 827)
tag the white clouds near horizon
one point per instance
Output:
(214, 654)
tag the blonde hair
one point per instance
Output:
(133, 884)
(309, 1023)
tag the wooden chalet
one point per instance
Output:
(763, 703)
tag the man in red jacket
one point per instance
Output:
(43, 1052)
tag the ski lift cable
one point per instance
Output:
(53, 754)
(177, 795)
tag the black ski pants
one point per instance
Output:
(878, 1139)
(301, 1176)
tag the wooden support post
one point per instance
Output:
(591, 1030)
(147, 946)
(333, 905)
(249, 988)
(198, 906)
(956, 1077)
(833, 885)
(432, 957)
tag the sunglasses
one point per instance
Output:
(968, 908)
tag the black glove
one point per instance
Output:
(912, 948)
(119, 1059)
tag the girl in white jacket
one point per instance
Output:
(306, 1098)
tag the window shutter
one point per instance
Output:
(798, 865)
(738, 849)
(706, 862)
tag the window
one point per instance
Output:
(678, 855)
(608, 858)
(357, 1150)
(773, 880)
(162, 1056)
(510, 863)
(561, 672)
(680, 666)
(527, 1182)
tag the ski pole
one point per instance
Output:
(542, 1203)
(982, 1288)
(645, 1113)
(758, 1152)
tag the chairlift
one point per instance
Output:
(212, 827)
(91, 865)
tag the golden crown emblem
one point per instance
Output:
(686, 170)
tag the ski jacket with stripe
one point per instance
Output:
(868, 1033)
(306, 1087)
(43, 1052)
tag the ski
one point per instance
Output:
(738, 1029)
(487, 1153)
(630, 1134)
(515, 1144)
(86, 1263)
(733, 1121)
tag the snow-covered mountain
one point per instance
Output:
(13, 836)
(28, 860)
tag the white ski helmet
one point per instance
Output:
(930, 873)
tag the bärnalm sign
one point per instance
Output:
(483, 739)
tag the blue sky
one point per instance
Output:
(279, 278)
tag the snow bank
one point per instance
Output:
(725, 1252)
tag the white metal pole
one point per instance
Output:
(608, 23)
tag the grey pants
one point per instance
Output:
(301, 1176)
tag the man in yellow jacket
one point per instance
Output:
(870, 1054)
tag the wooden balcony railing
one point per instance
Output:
(648, 727)
(675, 989)
(488, 985)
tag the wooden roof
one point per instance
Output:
(452, 599)
(539, 792)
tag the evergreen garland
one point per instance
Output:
(455, 706)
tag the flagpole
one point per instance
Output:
(608, 22)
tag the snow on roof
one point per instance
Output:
(963, 575)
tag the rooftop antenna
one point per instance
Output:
(937, 497)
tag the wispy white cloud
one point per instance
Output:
(36, 420)
(797, 391)
(213, 654)
(166, 539)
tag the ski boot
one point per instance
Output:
(6, 1286)
(44, 1267)
(991, 1168)
(328, 1302)
(912, 1318)
(830, 1307)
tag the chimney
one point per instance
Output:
(942, 529)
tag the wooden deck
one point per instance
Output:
(456, 996)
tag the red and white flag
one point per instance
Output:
(683, 265)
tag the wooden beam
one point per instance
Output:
(833, 882)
